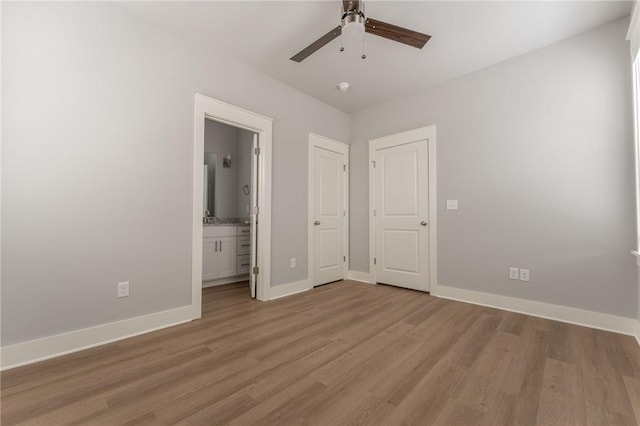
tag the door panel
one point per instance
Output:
(329, 174)
(400, 183)
(399, 248)
(401, 204)
(329, 256)
(328, 215)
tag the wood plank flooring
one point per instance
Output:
(341, 354)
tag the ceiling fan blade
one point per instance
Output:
(395, 33)
(307, 51)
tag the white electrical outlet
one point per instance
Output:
(513, 273)
(524, 275)
(123, 289)
(293, 262)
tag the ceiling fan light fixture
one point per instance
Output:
(353, 25)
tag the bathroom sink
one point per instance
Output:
(224, 221)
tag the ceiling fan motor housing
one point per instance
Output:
(352, 12)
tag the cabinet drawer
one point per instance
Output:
(209, 231)
(244, 231)
(244, 264)
(244, 245)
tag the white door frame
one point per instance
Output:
(206, 107)
(319, 141)
(428, 133)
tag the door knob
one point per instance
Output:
(316, 223)
(423, 223)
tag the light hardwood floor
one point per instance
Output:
(345, 353)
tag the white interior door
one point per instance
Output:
(253, 278)
(328, 214)
(401, 215)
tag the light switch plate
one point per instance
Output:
(452, 204)
(514, 273)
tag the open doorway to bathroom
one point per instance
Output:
(221, 235)
(229, 173)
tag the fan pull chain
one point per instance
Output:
(364, 13)
(341, 35)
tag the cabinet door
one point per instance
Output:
(209, 259)
(227, 253)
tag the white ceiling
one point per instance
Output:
(466, 36)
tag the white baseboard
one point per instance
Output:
(223, 281)
(364, 277)
(283, 290)
(36, 350)
(560, 313)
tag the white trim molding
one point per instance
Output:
(637, 333)
(364, 277)
(48, 347)
(633, 33)
(290, 289)
(560, 313)
(209, 108)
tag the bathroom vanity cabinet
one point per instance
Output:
(225, 252)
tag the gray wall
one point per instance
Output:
(97, 164)
(539, 152)
(223, 140)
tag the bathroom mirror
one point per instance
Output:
(227, 165)
(210, 161)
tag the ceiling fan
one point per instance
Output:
(354, 20)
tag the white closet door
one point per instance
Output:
(401, 215)
(328, 214)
